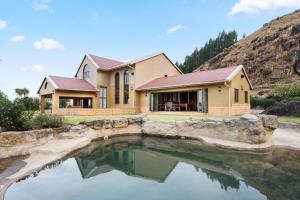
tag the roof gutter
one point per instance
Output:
(177, 86)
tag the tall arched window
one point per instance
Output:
(126, 86)
(86, 72)
(117, 88)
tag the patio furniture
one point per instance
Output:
(168, 106)
(183, 105)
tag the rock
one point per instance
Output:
(249, 117)
(120, 123)
(269, 121)
(78, 128)
(107, 124)
(95, 124)
(137, 119)
(163, 128)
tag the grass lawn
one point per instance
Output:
(77, 119)
(289, 119)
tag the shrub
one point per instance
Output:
(264, 103)
(12, 115)
(43, 120)
(287, 92)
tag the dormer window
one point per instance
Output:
(86, 72)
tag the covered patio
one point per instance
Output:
(186, 101)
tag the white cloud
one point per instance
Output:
(2, 24)
(38, 68)
(23, 69)
(47, 44)
(17, 38)
(256, 6)
(42, 5)
(174, 29)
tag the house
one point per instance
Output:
(149, 84)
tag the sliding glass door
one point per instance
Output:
(203, 100)
(103, 97)
(153, 102)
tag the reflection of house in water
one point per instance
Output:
(132, 161)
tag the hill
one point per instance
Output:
(271, 55)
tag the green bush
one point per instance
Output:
(12, 115)
(43, 120)
(263, 103)
(295, 99)
(287, 92)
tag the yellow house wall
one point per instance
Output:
(93, 79)
(238, 83)
(240, 107)
(155, 67)
(49, 90)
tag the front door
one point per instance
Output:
(103, 97)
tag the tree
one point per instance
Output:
(209, 50)
(22, 92)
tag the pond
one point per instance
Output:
(152, 168)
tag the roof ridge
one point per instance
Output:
(105, 58)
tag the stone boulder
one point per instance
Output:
(161, 128)
(248, 128)
(120, 123)
(270, 122)
(95, 124)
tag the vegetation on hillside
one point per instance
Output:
(213, 47)
(281, 93)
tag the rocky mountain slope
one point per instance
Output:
(271, 55)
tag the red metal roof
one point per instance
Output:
(196, 78)
(64, 83)
(105, 63)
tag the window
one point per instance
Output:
(46, 85)
(117, 88)
(102, 97)
(236, 95)
(246, 96)
(86, 72)
(126, 87)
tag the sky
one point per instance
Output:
(51, 37)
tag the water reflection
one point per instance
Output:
(152, 168)
(275, 173)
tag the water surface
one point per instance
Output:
(151, 168)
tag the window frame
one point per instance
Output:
(117, 88)
(246, 96)
(102, 98)
(236, 95)
(86, 72)
(126, 87)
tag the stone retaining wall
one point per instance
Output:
(248, 129)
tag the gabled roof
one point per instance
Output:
(70, 84)
(132, 62)
(197, 78)
(106, 64)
